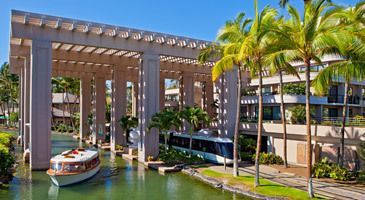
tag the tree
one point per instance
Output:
(277, 64)
(194, 116)
(128, 122)
(349, 46)
(230, 38)
(283, 3)
(164, 121)
(306, 39)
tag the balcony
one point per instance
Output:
(275, 99)
(340, 99)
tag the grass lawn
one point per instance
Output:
(267, 188)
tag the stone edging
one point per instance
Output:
(217, 184)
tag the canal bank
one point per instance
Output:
(118, 179)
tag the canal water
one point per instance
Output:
(117, 179)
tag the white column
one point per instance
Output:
(162, 92)
(99, 109)
(21, 103)
(209, 92)
(40, 105)
(228, 105)
(188, 93)
(188, 89)
(26, 117)
(134, 99)
(149, 76)
(85, 105)
(118, 109)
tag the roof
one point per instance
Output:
(82, 156)
(64, 98)
(60, 113)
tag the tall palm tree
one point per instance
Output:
(278, 63)
(305, 39)
(194, 116)
(230, 38)
(255, 47)
(165, 121)
(283, 3)
(350, 47)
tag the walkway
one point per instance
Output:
(329, 190)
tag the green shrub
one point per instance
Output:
(294, 89)
(247, 147)
(360, 177)
(173, 157)
(269, 159)
(322, 169)
(340, 173)
(6, 139)
(14, 117)
(7, 159)
(326, 169)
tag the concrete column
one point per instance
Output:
(99, 109)
(135, 99)
(85, 105)
(26, 104)
(21, 104)
(149, 76)
(40, 105)
(203, 101)
(188, 89)
(119, 101)
(209, 92)
(162, 92)
(228, 105)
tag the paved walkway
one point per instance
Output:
(329, 190)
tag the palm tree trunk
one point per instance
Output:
(308, 122)
(259, 132)
(191, 140)
(283, 120)
(236, 130)
(69, 111)
(165, 135)
(344, 114)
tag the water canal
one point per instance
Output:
(117, 179)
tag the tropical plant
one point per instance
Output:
(165, 121)
(14, 118)
(294, 89)
(194, 116)
(269, 159)
(305, 39)
(279, 64)
(128, 122)
(349, 46)
(230, 38)
(8, 89)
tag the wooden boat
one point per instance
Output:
(74, 166)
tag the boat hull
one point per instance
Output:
(64, 180)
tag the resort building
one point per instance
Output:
(326, 112)
(63, 106)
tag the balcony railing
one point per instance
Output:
(340, 99)
(350, 121)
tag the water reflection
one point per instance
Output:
(118, 179)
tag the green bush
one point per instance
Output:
(294, 89)
(340, 173)
(173, 157)
(269, 159)
(326, 169)
(322, 169)
(14, 117)
(7, 159)
(360, 177)
(247, 147)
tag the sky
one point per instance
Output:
(198, 19)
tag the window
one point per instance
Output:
(56, 166)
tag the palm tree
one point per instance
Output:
(254, 49)
(230, 38)
(194, 116)
(127, 122)
(305, 39)
(283, 3)
(279, 64)
(165, 121)
(9, 89)
(349, 46)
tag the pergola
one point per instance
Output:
(42, 46)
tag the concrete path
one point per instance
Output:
(329, 190)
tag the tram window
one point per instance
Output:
(56, 166)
